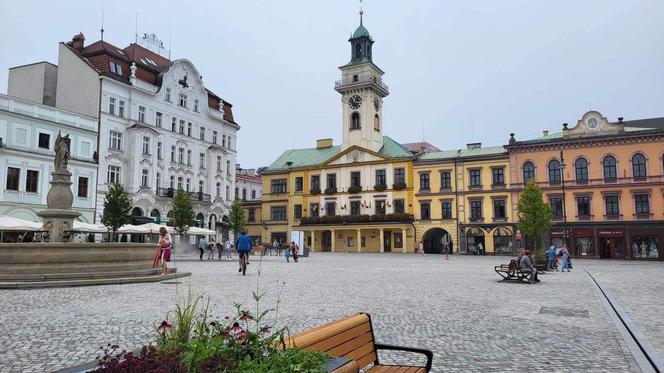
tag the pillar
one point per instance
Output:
(403, 240)
(359, 240)
(332, 234)
(313, 240)
(382, 240)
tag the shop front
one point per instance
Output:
(628, 241)
(611, 243)
(645, 243)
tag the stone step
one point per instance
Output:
(89, 281)
(81, 275)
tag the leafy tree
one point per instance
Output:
(236, 220)
(117, 208)
(183, 212)
(534, 214)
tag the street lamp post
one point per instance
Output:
(562, 184)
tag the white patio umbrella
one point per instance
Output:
(200, 231)
(128, 228)
(89, 228)
(154, 228)
(8, 223)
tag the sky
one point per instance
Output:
(458, 71)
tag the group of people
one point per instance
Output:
(558, 257)
(208, 248)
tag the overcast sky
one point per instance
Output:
(458, 72)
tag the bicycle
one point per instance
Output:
(243, 257)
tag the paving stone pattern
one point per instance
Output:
(455, 308)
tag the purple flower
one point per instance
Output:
(164, 326)
(246, 316)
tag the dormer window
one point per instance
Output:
(168, 95)
(116, 68)
(355, 78)
(183, 100)
(196, 105)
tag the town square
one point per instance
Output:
(354, 186)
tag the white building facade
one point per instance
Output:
(248, 184)
(27, 137)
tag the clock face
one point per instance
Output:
(376, 103)
(355, 102)
(592, 123)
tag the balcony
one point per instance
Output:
(339, 84)
(195, 196)
(356, 219)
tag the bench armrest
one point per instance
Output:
(428, 353)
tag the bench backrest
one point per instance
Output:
(351, 337)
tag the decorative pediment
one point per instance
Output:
(355, 154)
(593, 123)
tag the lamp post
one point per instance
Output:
(562, 184)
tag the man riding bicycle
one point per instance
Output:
(243, 246)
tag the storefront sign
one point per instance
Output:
(610, 232)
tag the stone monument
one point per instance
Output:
(59, 217)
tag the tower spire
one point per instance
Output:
(361, 12)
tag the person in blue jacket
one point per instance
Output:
(243, 246)
(550, 257)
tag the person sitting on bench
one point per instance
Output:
(526, 264)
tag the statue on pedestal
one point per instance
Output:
(62, 154)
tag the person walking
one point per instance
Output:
(446, 250)
(201, 246)
(550, 257)
(220, 249)
(209, 248)
(227, 249)
(165, 246)
(526, 263)
(243, 246)
(287, 254)
(420, 249)
(565, 259)
(294, 251)
(480, 248)
(279, 248)
(274, 246)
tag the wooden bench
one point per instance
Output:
(512, 272)
(352, 337)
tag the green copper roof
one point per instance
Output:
(463, 153)
(361, 31)
(314, 157)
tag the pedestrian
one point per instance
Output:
(201, 246)
(480, 248)
(220, 249)
(279, 248)
(294, 251)
(526, 263)
(550, 257)
(210, 249)
(287, 254)
(165, 246)
(243, 246)
(274, 246)
(446, 249)
(420, 249)
(227, 249)
(565, 259)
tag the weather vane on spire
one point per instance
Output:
(361, 12)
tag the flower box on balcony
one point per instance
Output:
(330, 190)
(399, 186)
(380, 187)
(354, 189)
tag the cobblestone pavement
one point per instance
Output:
(455, 308)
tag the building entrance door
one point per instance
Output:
(387, 241)
(326, 241)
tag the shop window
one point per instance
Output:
(502, 241)
(475, 241)
(398, 240)
(644, 247)
(583, 246)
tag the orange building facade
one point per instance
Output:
(604, 182)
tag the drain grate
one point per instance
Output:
(564, 312)
(171, 282)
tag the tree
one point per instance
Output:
(236, 217)
(534, 214)
(183, 212)
(117, 209)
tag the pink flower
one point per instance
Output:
(164, 326)
(265, 330)
(244, 346)
(246, 316)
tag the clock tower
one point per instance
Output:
(362, 91)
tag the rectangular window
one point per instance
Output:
(116, 68)
(200, 186)
(189, 128)
(146, 145)
(399, 176)
(168, 95)
(158, 117)
(44, 140)
(111, 105)
(141, 114)
(113, 175)
(445, 180)
(556, 204)
(399, 206)
(498, 177)
(82, 191)
(297, 211)
(181, 155)
(183, 100)
(181, 128)
(223, 141)
(278, 213)
(201, 160)
(228, 168)
(642, 204)
(218, 189)
(499, 208)
(475, 178)
(424, 182)
(381, 179)
(299, 184)
(330, 208)
(380, 207)
(355, 207)
(121, 108)
(355, 179)
(425, 211)
(144, 178)
(214, 137)
(202, 133)
(315, 182)
(32, 181)
(446, 209)
(583, 206)
(115, 140)
(196, 105)
(230, 142)
(13, 178)
(160, 151)
(332, 180)
(279, 186)
(251, 216)
(188, 157)
(612, 205)
(174, 123)
(314, 210)
(218, 163)
(253, 194)
(475, 210)
(244, 194)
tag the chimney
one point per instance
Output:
(323, 143)
(77, 42)
(620, 120)
(565, 130)
(545, 133)
(474, 145)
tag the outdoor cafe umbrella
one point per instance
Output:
(128, 228)
(89, 228)
(8, 223)
(154, 228)
(200, 231)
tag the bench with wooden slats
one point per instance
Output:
(352, 337)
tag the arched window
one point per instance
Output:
(200, 220)
(180, 183)
(554, 172)
(169, 216)
(581, 166)
(358, 51)
(355, 121)
(528, 171)
(376, 123)
(137, 211)
(156, 216)
(639, 170)
(609, 166)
